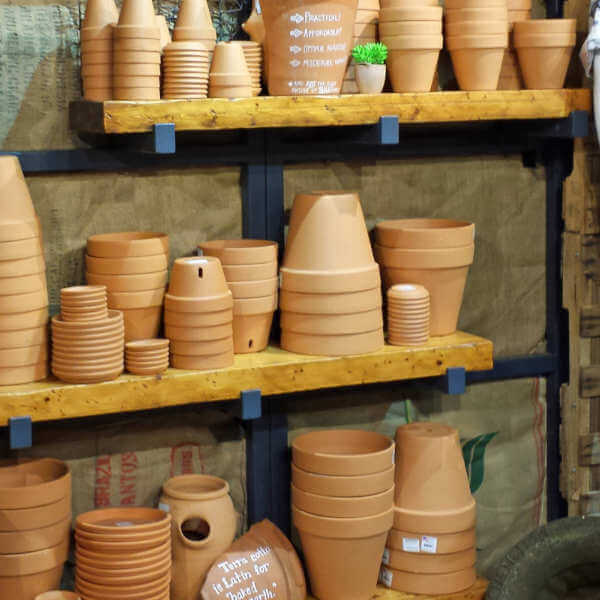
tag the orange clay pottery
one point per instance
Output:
(421, 562)
(277, 566)
(142, 312)
(313, 73)
(194, 23)
(58, 595)
(241, 252)
(445, 543)
(134, 265)
(197, 277)
(421, 583)
(126, 244)
(332, 324)
(31, 540)
(204, 526)
(343, 452)
(322, 304)
(408, 310)
(424, 233)
(255, 26)
(332, 345)
(129, 283)
(16, 205)
(432, 487)
(342, 554)
(208, 319)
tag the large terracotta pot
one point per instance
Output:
(204, 526)
(421, 562)
(424, 233)
(241, 252)
(16, 205)
(432, 487)
(58, 595)
(342, 555)
(446, 543)
(426, 583)
(328, 22)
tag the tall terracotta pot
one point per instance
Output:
(320, 33)
(204, 526)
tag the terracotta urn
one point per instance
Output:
(204, 526)
(273, 566)
(370, 78)
(309, 72)
(432, 487)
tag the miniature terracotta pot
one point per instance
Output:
(208, 319)
(424, 233)
(58, 595)
(343, 452)
(419, 562)
(446, 543)
(342, 555)
(251, 332)
(421, 505)
(333, 345)
(419, 583)
(370, 78)
(332, 324)
(119, 245)
(204, 526)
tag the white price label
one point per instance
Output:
(429, 544)
(164, 507)
(386, 577)
(124, 524)
(410, 544)
(386, 557)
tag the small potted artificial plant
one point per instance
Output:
(370, 67)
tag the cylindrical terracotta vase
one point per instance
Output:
(204, 526)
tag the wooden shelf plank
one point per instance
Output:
(477, 592)
(316, 111)
(273, 371)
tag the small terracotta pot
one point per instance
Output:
(251, 332)
(199, 305)
(100, 14)
(138, 13)
(395, 28)
(333, 345)
(548, 26)
(413, 70)
(487, 13)
(119, 245)
(208, 319)
(459, 28)
(343, 452)
(129, 283)
(416, 562)
(419, 583)
(477, 68)
(446, 543)
(342, 555)
(197, 277)
(424, 233)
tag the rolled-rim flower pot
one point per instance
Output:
(134, 265)
(332, 345)
(27, 374)
(23, 337)
(424, 233)
(420, 583)
(394, 28)
(253, 289)
(32, 540)
(16, 205)
(23, 248)
(197, 277)
(343, 452)
(313, 75)
(330, 282)
(422, 562)
(476, 28)
(342, 555)
(204, 362)
(58, 595)
(129, 243)
(129, 283)
(23, 230)
(370, 78)
(251, 332)
(487, 13)
(411, 13)
(413, 70)
(321, 304)
(249, 272)
(432, 491)
(207, 319)
(199, 305)
(445, 543)
(544, 64)
(327, 324)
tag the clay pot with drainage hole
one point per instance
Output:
(204, 526)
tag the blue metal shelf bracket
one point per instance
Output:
(454, 382)
(164, 138)
(20, 433)
(250, 405)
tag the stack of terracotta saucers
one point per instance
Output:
(147, 357)
(250, 268)
(185, 70)
(198, 315)
(96, 49)
(136, 52)
(86, 346)
(35, 526)
(253, 52)
(194, 24)
(133, 267)
(431, 548)
(408, 314)
(123, 553)
(330, 285)
(342, 506)
(23, 292)
(229, 75)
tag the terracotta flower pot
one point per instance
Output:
(22, 230)
(23, 337)
(197, 277)
(445, 543)
(27, 374)
(408, 314)
(16, 205)
(234, 253)
(416, 562)
(129, 283)
(266, 541)
(251, 332)
(420, 583)
(422, 12)
(32, 540)
(198, 305)
(36, 518)
(99, 15)
(58, 595)
(313, 75)
(413, 69)
(204, 526)
(342, 555)
(199, 334)
(253, 289)
(332, 345)
(460, 28)
(131, 243)
(21, 357)
(487, 13)
(330, 282)
(139, 13)
(134, 265)
(203, 362)
(194, 16)
(332, 324)
(370, 78)
(321, 304)
(19, 249)
(208, 319)
(110, 520)
(432, 491)
(208, 348)
(424, 233)
(395, 28)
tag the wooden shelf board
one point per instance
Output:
(476, 592)
(273, 371)
(213, 114)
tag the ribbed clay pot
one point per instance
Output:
(204, 526)
(285, 78)
(432, 491)
(264, 544)
(342, 555)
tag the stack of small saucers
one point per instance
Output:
(253, 52)
(229, 75)
(123, 553)
(147, 357)
(87, 349)
(408, 314)
(185, 70)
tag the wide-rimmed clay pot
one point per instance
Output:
(432, 487)
(207, 319)
(345, 452)
(37, 517)
(342, 555)
(265, 545)
(315, 74)
(424, 233)
(322, 304)
(31, 540)
(58, 595)
(412, 61)
(328, 324)
(129, 283)
(129, 243)
(423, 562)
(133, 265)
(332, 345)
(421, 583)
(445, 543)
(241, 252)
(204, 526)
(16, 205)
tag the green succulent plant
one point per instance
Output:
(371, 54)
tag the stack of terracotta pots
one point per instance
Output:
(198, 315)
(136, 53)
(342, 506)
(510, 73)
(96, 49)
(330, 285)
(147, 357)
(133, 267)
(477, 36)
(365, 32)
(544, 47)
(23, 292)
(413, 34)
(229, 75)
(408, 315)
(123, 553)
(250, 268)
(204, 526)
(253, 53)
(35, 526)
(194, 24)
(185, 70)
(434, 253)
(87, 339)
(431, 548)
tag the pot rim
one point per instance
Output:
(173, 487)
